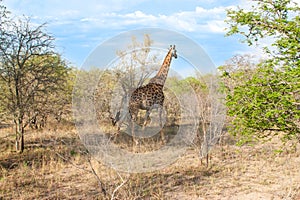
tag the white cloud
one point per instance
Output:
(100, 14)
(69, 9)
(217, 26)
(199, 20)
(81, 24)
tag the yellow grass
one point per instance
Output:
(55, 166)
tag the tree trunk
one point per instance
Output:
(19, 136)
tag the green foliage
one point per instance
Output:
(33, 78)
(195, 83)
(181, 86)
(278, 18)
(267, 103)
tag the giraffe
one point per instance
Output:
(151, 95)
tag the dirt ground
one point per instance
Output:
(56, 166)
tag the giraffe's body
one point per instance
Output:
(151, 95)
(146, 98)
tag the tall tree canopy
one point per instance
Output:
(31, 73)
(268, 102)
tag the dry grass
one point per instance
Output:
(55, 166)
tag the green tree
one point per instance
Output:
(30, 72)
(268, 102)
(3, 19)
(53, 95)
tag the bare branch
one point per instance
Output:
(119, 186)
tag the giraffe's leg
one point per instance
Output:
(160, 119)
(133, 119)
(132, 130)
(162, 134)
(146, 118)
(116, 134)
(145, 121)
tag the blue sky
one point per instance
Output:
(80, 26)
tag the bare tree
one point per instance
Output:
(135, 66)
(238, 68)
(3, 14)
(30, 72)
(212, 113)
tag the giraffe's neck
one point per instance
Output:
(161, 76)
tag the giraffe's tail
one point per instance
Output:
(115, 119)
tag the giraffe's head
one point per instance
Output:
(174, 51)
